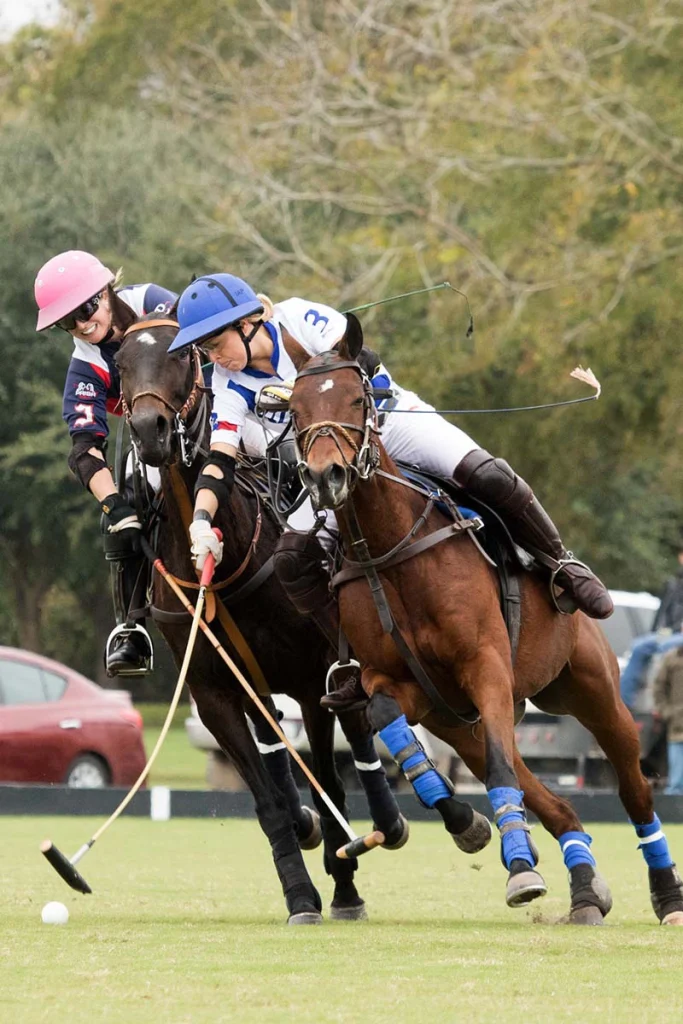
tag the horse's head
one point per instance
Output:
(158, 390)
(334, 419)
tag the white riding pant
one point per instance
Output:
(423, 439)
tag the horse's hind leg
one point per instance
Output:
(470, 830)
(589, 690)
(347, 905)
(384, 810)
(590, 897)
(277, 761)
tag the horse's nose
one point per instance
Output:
(153, 432)
(329, 486)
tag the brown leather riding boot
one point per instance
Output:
(299, 566)
(497, 485)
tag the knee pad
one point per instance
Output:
(299, 566)
(494, 482)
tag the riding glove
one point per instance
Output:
(204, 542)
(120, 515)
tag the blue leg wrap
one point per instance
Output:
(653, 844)
(408, 753)
(575, 848)
(515, 842)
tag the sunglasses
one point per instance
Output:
(211, 342)
(82, 314)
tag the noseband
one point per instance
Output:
(366, 455)
(181, 415)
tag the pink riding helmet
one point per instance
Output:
(65, 282)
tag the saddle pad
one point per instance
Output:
(432, 489)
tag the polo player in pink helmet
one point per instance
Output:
(76, 292)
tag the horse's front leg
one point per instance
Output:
(221, 711)
(488, 682)
(386, 816)
(278, 763)
(470, 830)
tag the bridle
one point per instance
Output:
(366, 455)
(189, 446)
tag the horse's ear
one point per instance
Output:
(173, 311)
(352, 342)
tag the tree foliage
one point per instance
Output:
(528, 153)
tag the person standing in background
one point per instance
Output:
(668, 705)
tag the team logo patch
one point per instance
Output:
(85, 389)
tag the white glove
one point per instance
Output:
(204, 541)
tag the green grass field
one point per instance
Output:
(186, 924)
(179, 764)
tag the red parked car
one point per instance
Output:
(58, 727)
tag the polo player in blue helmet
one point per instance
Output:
(254, 343)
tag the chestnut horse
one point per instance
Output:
(168, 411)
(445, 602)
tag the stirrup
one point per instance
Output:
(124, 632)
(329, 678)
(564, 602)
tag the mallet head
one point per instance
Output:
(64, 867)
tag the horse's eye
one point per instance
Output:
(357, 402)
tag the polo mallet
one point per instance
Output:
(357, 844)
(67, 867)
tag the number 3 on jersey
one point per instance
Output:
(314, 318)
(88, 418)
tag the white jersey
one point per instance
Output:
(426, 441)
(315, 326)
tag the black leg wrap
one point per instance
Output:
(383, 807)
(666, 891)
(279, 767)
(299, 891)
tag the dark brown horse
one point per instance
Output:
(445, 601)
(168, 413)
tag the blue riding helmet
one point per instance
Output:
(212, 303)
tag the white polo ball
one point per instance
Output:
(54, 913)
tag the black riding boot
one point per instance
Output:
(497, 485)
(129, 650)
(299, 564)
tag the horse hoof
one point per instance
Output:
(586, 915)
(315, 837)
(675, 918)
(476, 836)
(524, 887)
(355, 912)
(306, 917)
(403, 829)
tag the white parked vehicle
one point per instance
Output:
(555, 747)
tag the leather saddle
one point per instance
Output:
(508, 559)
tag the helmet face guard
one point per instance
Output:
(211, 304)
(66, 282)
